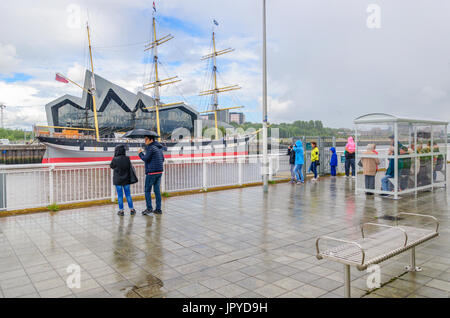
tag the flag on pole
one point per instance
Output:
(61, 78)
(215, 22)
(154, 6)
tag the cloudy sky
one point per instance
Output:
(324, 61)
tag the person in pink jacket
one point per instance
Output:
(350, 149)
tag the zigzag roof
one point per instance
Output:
(106, 91)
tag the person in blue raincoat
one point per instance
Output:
(333, 161)
(299, 161)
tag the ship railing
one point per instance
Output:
(41, 185)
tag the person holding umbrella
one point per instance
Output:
(153, 158)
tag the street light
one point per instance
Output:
(264, 106)
(2, 107)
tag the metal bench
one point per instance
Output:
(377, 247)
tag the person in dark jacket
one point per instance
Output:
(386, 184)
(121, 166)
(291, 154)
(333, 161)
(154, 167)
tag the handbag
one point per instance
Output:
(133, 177)
(360, 163)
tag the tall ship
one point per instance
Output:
(88, 129)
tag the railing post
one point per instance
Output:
(112, 185)
(347, 281)
(163, 182)
(240, 171)
(270, 168)
(205, 176)
(50, 185)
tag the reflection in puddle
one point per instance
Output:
(152, 287)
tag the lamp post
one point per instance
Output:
(265, 160)
(2, 107)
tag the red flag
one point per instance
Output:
(61, 78)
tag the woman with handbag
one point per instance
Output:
(124, 175)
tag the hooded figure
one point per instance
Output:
(333, 161)
(334, 158)
(121, 165)
(299, 161)
(298, 149)
(350, 149)
(350, 146)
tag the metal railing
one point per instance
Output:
(41, 185)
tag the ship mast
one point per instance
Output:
(92, 89)
(156, 85)
(215, 92)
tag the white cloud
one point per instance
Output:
(323, 62)
(8, 58)
(24, 117)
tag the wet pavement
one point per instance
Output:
(234, 243)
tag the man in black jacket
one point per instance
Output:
(154, 167)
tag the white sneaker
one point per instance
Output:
(353, 177)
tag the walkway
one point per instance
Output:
(235, 243)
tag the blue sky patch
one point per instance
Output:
(15, 77)
(180, 25)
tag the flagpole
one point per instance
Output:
(265, 160)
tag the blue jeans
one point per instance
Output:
(298, 172)
(386, 185)
(120, 190)
(313, 168)
(154, 181)
(350, 163)
(293, 172)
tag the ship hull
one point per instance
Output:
(75, 150)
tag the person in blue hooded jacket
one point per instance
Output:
(299, 161)
(333, 161)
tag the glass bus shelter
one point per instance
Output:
(412, 154)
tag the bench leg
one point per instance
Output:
(413, 267)
(347, 281)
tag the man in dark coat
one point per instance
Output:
(154, 167)
(291, 154)
(121, 166)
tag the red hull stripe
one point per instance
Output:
(97, 159)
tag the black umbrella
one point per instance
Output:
(140, 133)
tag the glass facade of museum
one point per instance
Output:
(115, 117)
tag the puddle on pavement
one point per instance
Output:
(150, 288)
(391, 218)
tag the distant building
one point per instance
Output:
(238, 118)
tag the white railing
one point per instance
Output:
(40, 185)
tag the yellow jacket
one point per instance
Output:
(315, 154)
